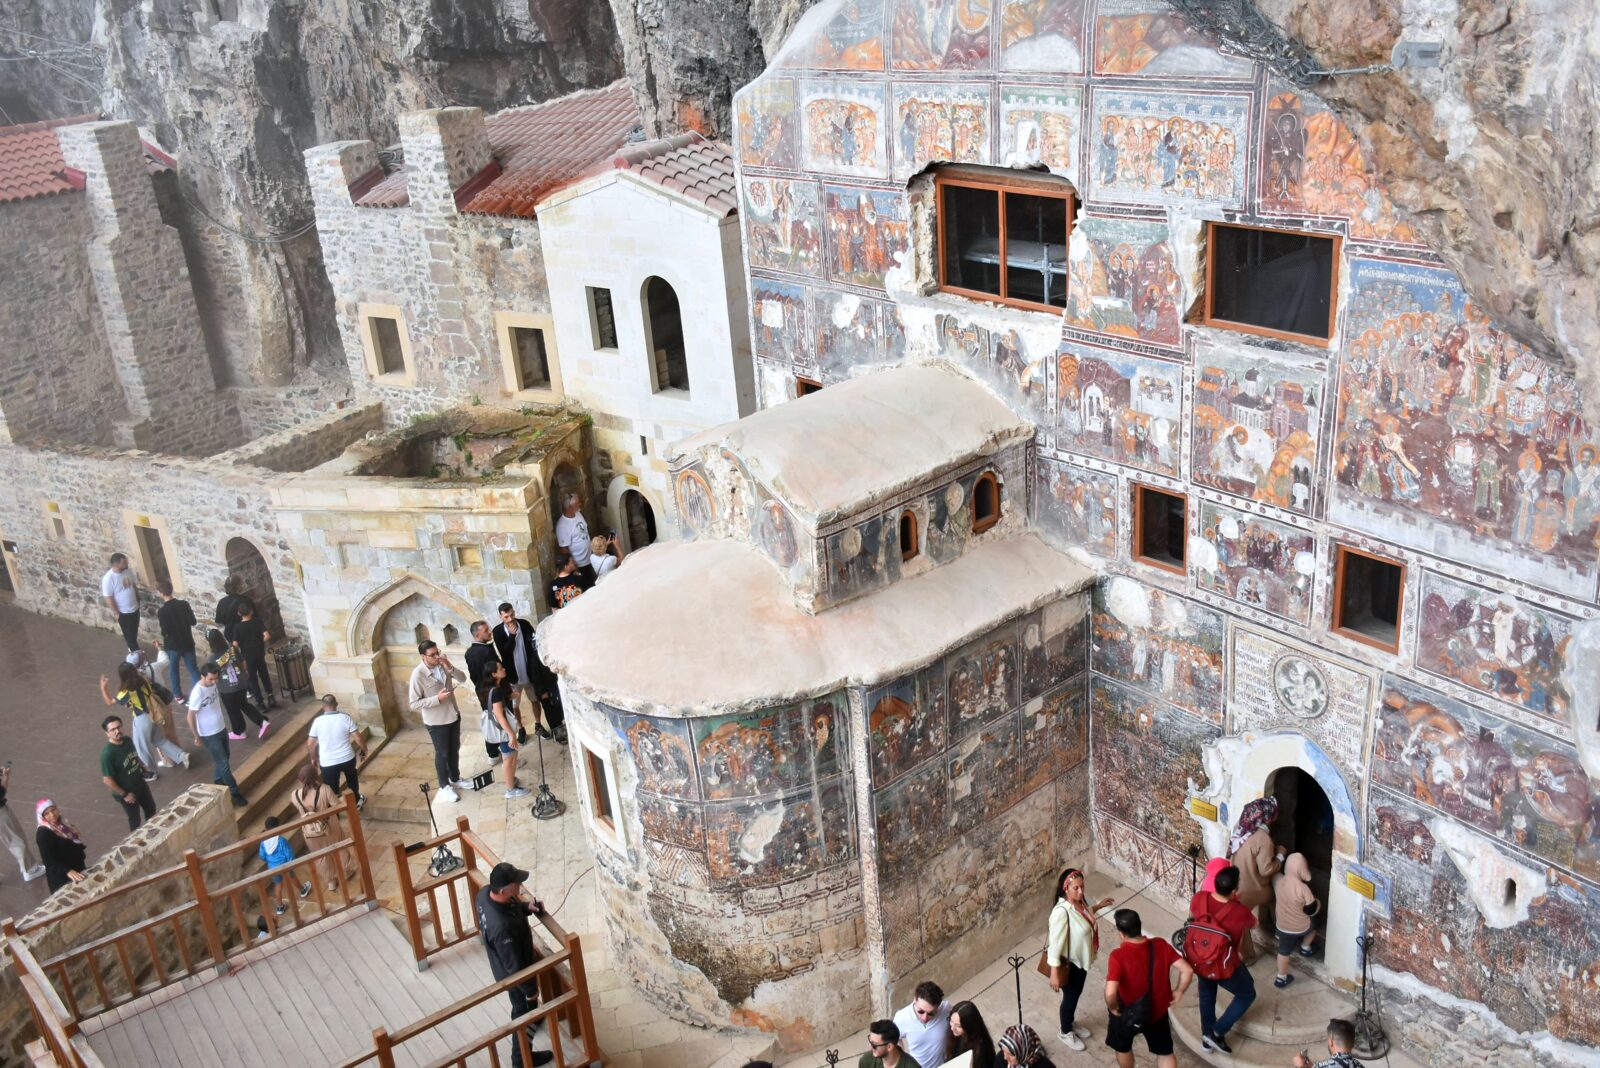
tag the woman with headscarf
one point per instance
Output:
(1296, 905)
(1258, 858)
(1071, 949)
(1021, 1046)
(59, 847)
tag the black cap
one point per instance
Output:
(505, 875)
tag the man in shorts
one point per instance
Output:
(1138, 965)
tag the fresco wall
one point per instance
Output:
(1419, 431)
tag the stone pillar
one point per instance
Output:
(445, 149)
(332, 169)
(158, 351)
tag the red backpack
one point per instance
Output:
(1208, 947)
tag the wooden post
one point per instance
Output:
(580, 986)
(208, 917)
(359, 841)
(408, 898)
(9, 928)
(384, 1047)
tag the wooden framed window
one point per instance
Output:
(804, 387)
(909, 546)
(1160, 527)
(985, 502)
(1368, 592)
(1003, 237)
(602, 318)
(1277, 283)
(600, 802)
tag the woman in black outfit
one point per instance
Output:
(59, 847)
(969, 1034)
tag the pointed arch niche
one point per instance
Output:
(382, 640)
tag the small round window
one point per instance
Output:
(985, 502)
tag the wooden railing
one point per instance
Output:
(58, 1030)
(205, 928)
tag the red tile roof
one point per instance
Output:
(688, 164)
(388, 192)
(538, 148)
(31, 164)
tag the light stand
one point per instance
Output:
(444, 862)
(1016, 967)
(1372, 1041)
(545, 805)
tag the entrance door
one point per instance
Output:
(255, 578)
(641, 520)
(1305, 825)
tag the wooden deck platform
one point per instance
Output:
(312, 997)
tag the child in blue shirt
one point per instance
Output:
(277, 852)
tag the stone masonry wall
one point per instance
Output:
(303, 447)
(57, 363)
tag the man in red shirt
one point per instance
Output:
(1138, 966)
(1219, 909)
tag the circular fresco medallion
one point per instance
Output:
(1300, 686)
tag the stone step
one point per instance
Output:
(275, 795)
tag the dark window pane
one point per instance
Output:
(1162, 537)
(1036, 249)
(533, 366)
(605, 321)
(386, 339)
(1272, 280)
(972, 239)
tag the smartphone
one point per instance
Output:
(8, 765)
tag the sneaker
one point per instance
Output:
(239, 800)
(280, 910)
(1282, 981)
(1072, 1041)
(1214, 1044)
(232, 737)
(1081, 1032)
(305, 889)
(561, 734)
(542, 1057)
(266, 725)
(516, 791)
(33, 873)
(361, 799)
(151, 776)
(462, 784)
(185, 760)
(1308, 951)
(163, 762)
(447, 793)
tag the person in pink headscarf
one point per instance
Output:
(60, 847)
(1214, 865)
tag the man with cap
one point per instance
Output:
(503, 923)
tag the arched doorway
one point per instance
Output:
(669, 357)
(566, 480)
(1305, 825)
(640, 520)
(415, 619)
(255, 581)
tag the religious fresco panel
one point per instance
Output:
(1504, 780)
(1311, 164)
(949, 515)
(1495, 643)
(753, 753)
(1055, 646)
(911, 813)
(697, 507)
(781, 331)
(1145, 754)
(861, 558)
(906, 723)
(982, 682)
(762, 841)
(1543, 972)
(1164, 148)
(1119, 407)
(842, 128)
(1124, 281)
(939, 124)
(662, 753)
(1149, 39)
(847, 329)
(673, 821)
(1039, 126)
(783, 225)
(1042, 35)
(1074, 808)
(1257, 424)
(1160, 642)
(1455, 438)
(985, 773)
(1276, 685)
(1255, 561)
(1055, 735)
(866, 233)
(778, 535)
(1077, 505)
(852, 39)
(768, 124)
(951, 35)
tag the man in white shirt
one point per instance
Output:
(925, 1024)
(433, 697)
(572, 534)
(208, 723)
(122, 597)
(335, 742)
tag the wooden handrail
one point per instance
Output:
(98, 900)
(117, 936)
(547, 1012)
(208, 916)
(358, 838)
(300, 861)
(408, 901)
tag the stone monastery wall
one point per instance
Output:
(1419, 433)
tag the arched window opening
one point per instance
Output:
(664, 334)
(640, 518)
(985, 502)
(908, 536)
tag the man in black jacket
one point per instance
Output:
(519, 652)
(503, 915)
(481, 659)
(227, 611)
(176, 619)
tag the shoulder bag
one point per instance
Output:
(1136, 1017)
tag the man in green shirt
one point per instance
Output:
(124, 775)
(883, 1036)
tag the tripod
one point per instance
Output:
(545, 805)
(444, 862)
(1372, 1041)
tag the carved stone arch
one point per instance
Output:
(367, 620)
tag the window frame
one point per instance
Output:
(510, 368)
(981, 525)
(1208, 319)
(131, 523)
(805, 387)
(1336, 623)
(407, 375)
(1136, 548)
(595, 340)
(1055, 188)
(907, 555)
(597, 774)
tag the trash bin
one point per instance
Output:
(294, 669)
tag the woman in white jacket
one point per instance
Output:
(1073, 946)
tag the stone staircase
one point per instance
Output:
(267, 775)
